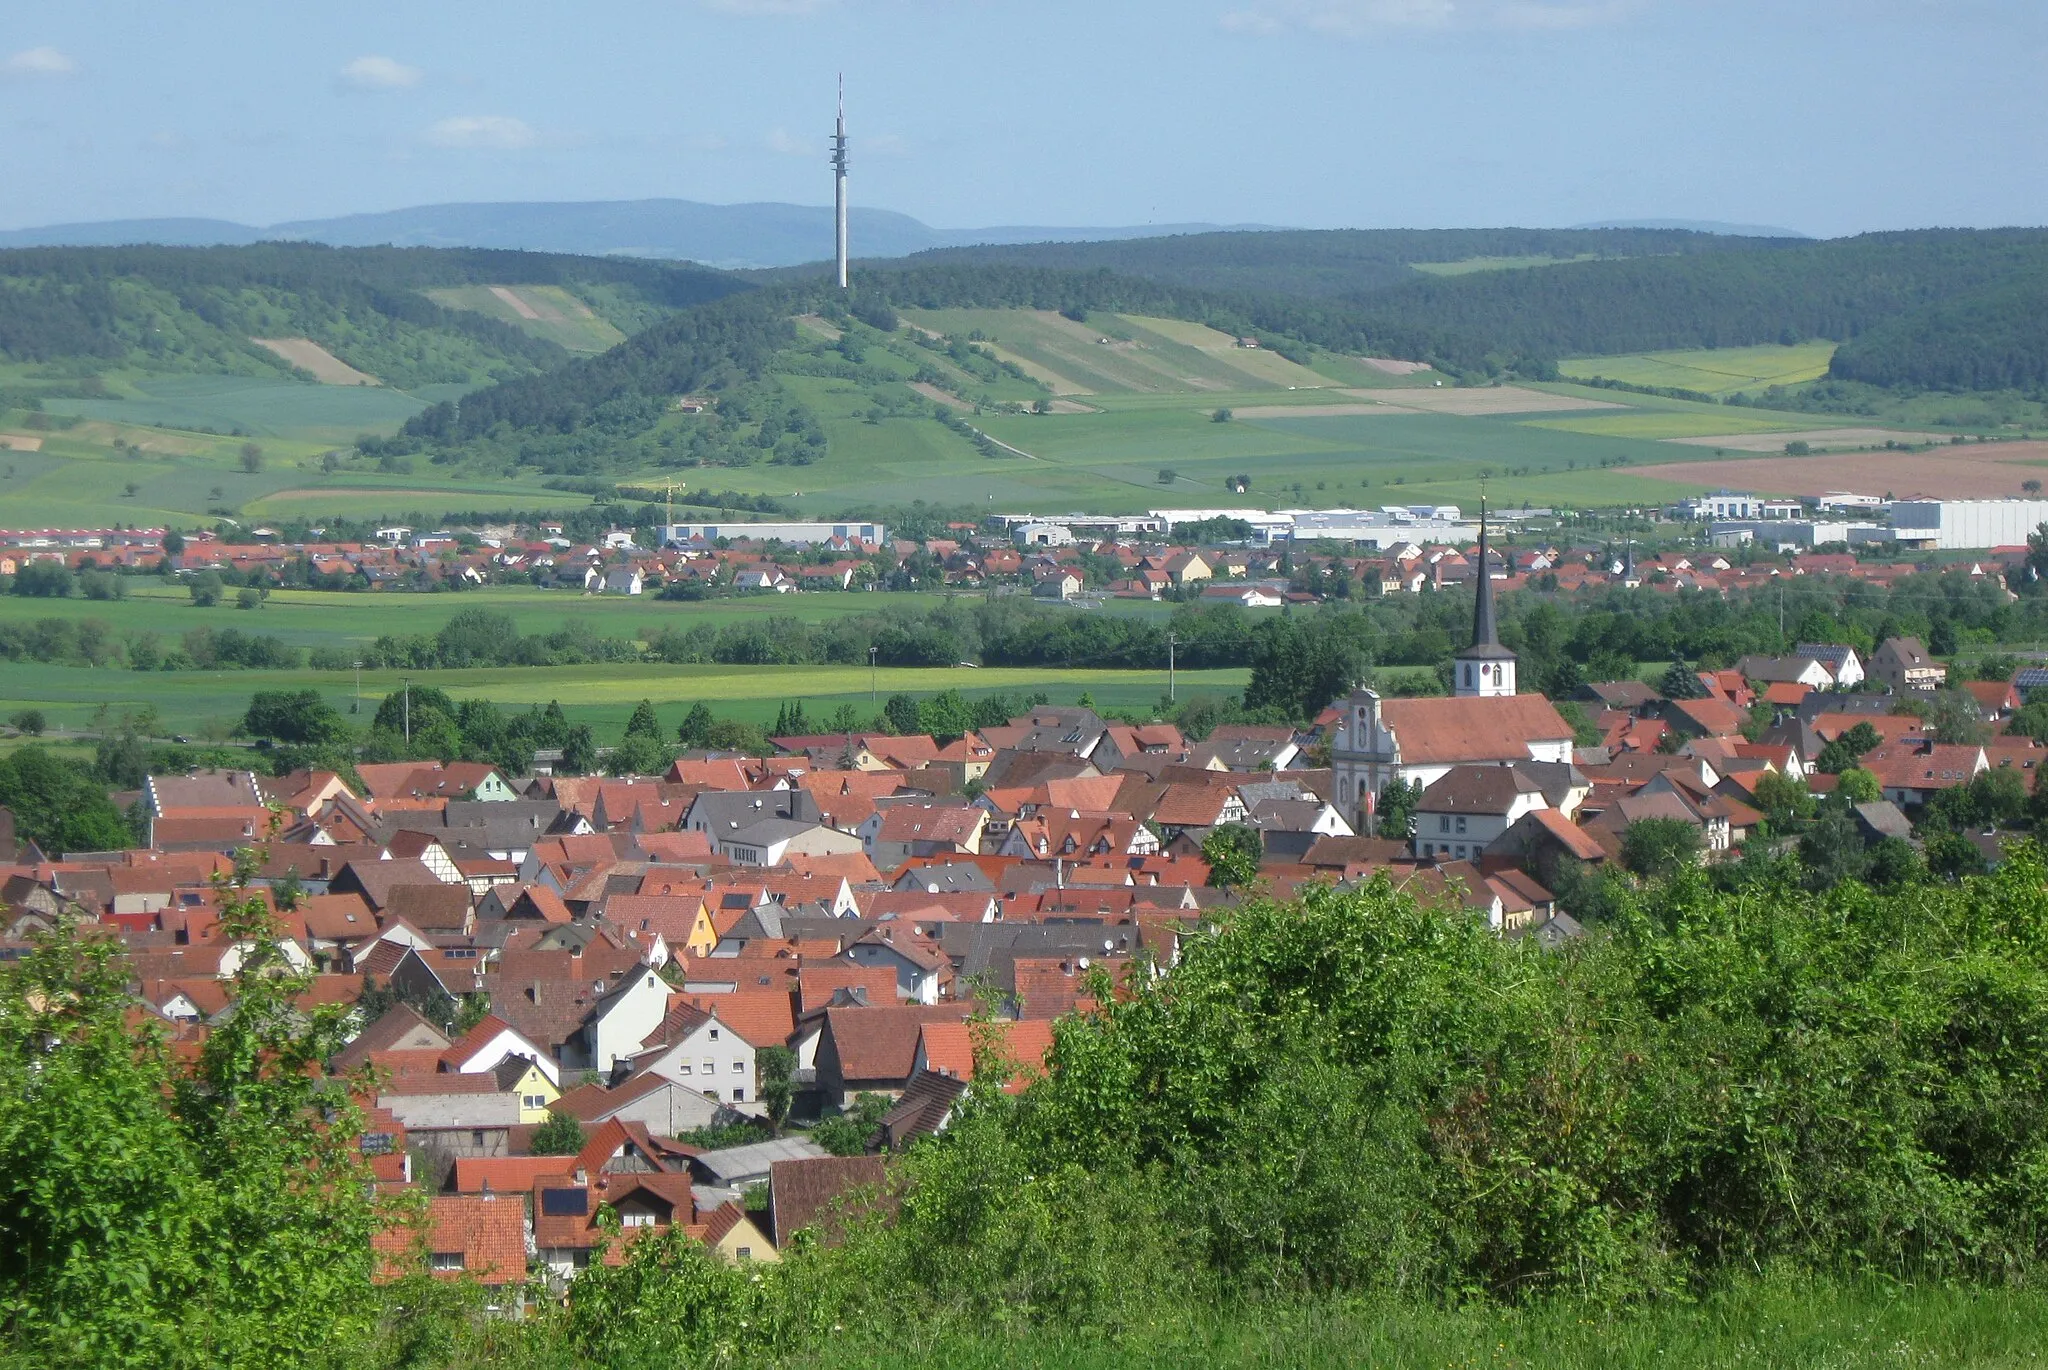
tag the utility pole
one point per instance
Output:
(359, 689)
(408, 711)
(1172, 680)
(873, 693)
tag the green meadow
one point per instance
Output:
(205, 704)
(339, 618)
(1716, 371)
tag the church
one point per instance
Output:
(1484, 722)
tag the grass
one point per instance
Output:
(335, 618)
(205, 704)
(1637, 423)
(1143, 355)
(1779, 1326)
(256, 406)
(565, 319)
(1718, 371)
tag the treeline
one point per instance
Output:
(1330, 264)
(1838, 289)
(91, 641)
(197, 308)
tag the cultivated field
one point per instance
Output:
(316, 360)
(1719, 371)
(1972, 470)
(545, 311)
(1820, 439)
(256, 406)
(1493, 399)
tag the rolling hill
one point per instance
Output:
(743, 235)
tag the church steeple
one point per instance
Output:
(1485, 669)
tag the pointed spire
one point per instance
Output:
(1483, 631)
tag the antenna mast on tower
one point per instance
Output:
(839, 183)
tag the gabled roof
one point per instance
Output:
(812, 1192)
(489, 1234)
(1447, 731)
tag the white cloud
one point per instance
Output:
(377, 73)
(483, 131)
(1358, 18)
(39, 62)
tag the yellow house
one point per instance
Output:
(732, 1234)
(537, 1093)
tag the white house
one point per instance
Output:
(622, 1020)
(703, 1053)
(919, 969)
(1840, 659)
(484, 1047)
(1471, 806)
(768, 841)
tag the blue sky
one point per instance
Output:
(1831, 116)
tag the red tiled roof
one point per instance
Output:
(488, 1233)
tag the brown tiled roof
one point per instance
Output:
(817, 984)
(922, 1110)
(807, 1193)
(881, 1043)
(507, 1174)
(490, 1234)
(1446, 731)
(949, 1047)
(430, 908)
(762, 1018)
(398, 1026)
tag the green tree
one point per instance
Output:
(1831, 848)
(847, 1133)
(1782, 800)
(299, 716)
(579, 751)
(560, 1135)
(1233, 852)
(1584, 734)
(1394, 812)
(899, 715)
(777, 1066)
(1954, 716)
(637, 753)
(168, 1209)
(1680, 681)
(1657, 848)
(44, 580)
(643, 723)
(28, 722)
(205, 589)
(1894, 863)
(1841, 753)
(1859, 786)
(1951, 856)
(694, 732)
(59, 805)
(251, 458)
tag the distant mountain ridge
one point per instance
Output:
(1716, 226)
(731, 236)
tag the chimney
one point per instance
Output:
(580, 1176)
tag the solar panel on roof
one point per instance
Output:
(565, 1203)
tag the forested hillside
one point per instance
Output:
(1335, 263)
(196, 309)
(1990, 339)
